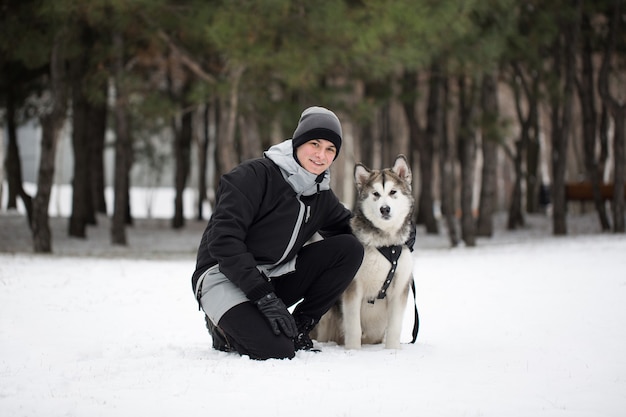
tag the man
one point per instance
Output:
(253, 261)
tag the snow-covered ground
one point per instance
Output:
(525, 324)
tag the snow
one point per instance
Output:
(525, 324)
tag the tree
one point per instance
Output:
(490, 140)
(51, 123)
(617, 109)
(82, 203)
(478, 50)
(586, 92)
(96, 129)
(424, 141)
(257, 64)
(525, 86)
(182, 152)
(447, 158)
(123, 146)
(24, 55)
(12, 162)
(561, 92)
(204, 143)
(229, 111)
(468, 103)
(90, 75)
(523, 70)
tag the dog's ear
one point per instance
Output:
(401, 167)
(361, 174)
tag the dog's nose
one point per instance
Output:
(385, 210)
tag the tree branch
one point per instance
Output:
(186, 59)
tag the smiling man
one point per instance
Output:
(252, 261)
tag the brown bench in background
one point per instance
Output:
(582, 191)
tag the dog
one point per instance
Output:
(371, 310)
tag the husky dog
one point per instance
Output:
(372, 308)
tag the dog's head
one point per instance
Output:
(385, 197)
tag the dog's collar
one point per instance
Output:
(392, 254)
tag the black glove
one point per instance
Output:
(277, 315)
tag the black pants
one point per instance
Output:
(324, 269)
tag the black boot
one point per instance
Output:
(219, 339)
(302, 341)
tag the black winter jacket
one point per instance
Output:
(255, 213)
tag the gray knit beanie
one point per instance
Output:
(318, 123)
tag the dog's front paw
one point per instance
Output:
(352, 343)
(392, 345)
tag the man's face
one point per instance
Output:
(316, 155)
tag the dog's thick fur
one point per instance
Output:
(382, 217)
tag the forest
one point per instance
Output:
(498, 104)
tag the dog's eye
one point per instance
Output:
(376, 194)
(392, 192)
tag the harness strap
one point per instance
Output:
(392, 254)
(416, 321)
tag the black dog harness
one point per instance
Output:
(392, 254)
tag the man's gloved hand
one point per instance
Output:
(277, 315)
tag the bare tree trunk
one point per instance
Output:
(52, 124)
(81, 181)
(203, 148)
(527, 149)
(603, 136)
(423, 142)
(227, 127)
(251, 146)
(2, 170)
(515, 214)
(516, 217)
(434, 130)
(367, 143)
(214, 150)
(426, 147)
(182, 152)
(532, 148)
(617, 110)
(123, 148)
(467, 157)
(13, 162)
(51, 130)
(561, 116)
(490, 139)
(373, 142)
(559, 148)
(586, 93)
(620, 161)
(386, 141)
(97, 123)
(446, 166)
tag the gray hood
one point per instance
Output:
(301, 180)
